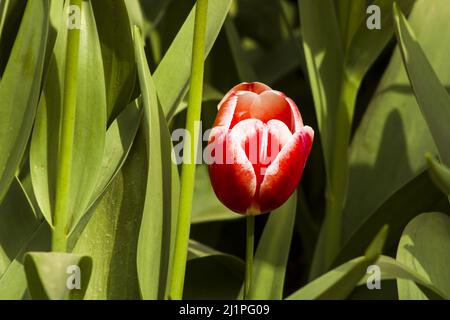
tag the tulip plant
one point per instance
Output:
(224, 149)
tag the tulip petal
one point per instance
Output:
(227, 108)
(283, 175)
(271, 105)
(298, 121)
(233, 180)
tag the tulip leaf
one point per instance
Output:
(387, 151)
(431, 95)
(340, 282)
(20, 232)
(20, 87)
(156, 236)
(350, 13)
(116, 41)
(174, 72)
(423, 248)
(57, 276)
(366, 44)
(13, 282)
(410, 200)
(118, 141)
(320, 32)
(269, 266)
(17, 223)
(90, 123)
(440, 175)
(393, 269)
(111, 234)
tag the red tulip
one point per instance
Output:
(259, 148)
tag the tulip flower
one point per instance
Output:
(260, 147)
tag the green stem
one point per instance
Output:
(65, 150)
(188, 168)
(250, 243)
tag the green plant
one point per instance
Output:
(89, 120)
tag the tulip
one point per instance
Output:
(260, 147)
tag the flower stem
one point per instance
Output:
(188, 168)
(250, 243)
(65, 150)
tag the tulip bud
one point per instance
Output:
(259, 148)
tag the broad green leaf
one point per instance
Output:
(423, 248)
(116, 41)
(387, 151)
(57, 276)
(340, 282)
(118, 142)
(172, 75)
(111, 234)
(440, 175)
(159, 217)
(431, 95)
(19, 89)
(410, 200)
(17, 224)
(324, 61)
(13, 282)
(90, 123)
(366, 45)
(206, 207)
(350, 13)
(392, 269)
(269, 266)
(214, 277)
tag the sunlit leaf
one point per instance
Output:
(19, 89)
(90, 123)
(423, 248)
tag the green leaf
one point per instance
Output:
(387, 151)
(17, 224)
(410, 200)
(19, 89)
(269, 266)
(116, 41)
(340, 282)
(423, 248)
(13, 282)
(320, 35)
(90, 123)
(440, 175)
(214, 277)
(367, 45)
(174, 72)
(118, 142)
(50, 275)
(392, 269)
(431, 95)
(156, 235)
(111, 234)
(350, 13)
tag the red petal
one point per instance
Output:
(233, 183)
(284, 174)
